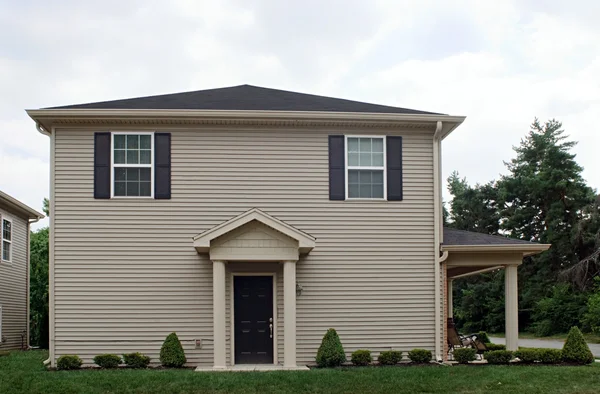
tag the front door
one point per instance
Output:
(253, 319)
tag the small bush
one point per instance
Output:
(331, 352)
(420, 356)
(68, 362)
(528, 356)
(171, 352)
(498, 356)
(389, 357)
(575, 350)
(108, 360)
(483, 337)
(136, 360)
(464, 354)
(550, 356)
(494, 346)
(361, 357)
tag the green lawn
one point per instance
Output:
(22, 372)
(590, 338)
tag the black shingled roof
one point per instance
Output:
(245, 97)
(461, 237)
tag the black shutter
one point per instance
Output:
(394, 168)
(162, 166)
(101, 165)
(337, 170)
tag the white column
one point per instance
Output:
(219, 314)
(289, 314)
(511, 300)
(450, 301)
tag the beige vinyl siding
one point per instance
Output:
(13, 285)
(126, 273)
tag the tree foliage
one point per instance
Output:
(39, 327)
(542, 198)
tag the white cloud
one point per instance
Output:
(499, 63)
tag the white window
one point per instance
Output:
(132, 164)
(365, 167)
(6, 239)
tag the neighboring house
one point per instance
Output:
(249, 221)
(15, 218)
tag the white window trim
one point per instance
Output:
(6, 240)
(347, 168)
(112, 163)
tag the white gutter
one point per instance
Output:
(42, 130)
(437, 228)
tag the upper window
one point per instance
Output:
(365, 166)
(132, 164)
(6, 239)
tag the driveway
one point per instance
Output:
(549, 343)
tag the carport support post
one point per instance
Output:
(289, 314)
(511, 299)
(219, 314)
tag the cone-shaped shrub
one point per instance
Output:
(331, 352)
(575, 350)
(171, 352)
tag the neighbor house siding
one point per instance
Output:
(126, 272)
(13, 285)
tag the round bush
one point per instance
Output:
(108, 360)
(483, 337)
(498, 356)
(420, 356)
(171, 352)
(361, 357)
(389, 357)
(464, 355)
(528, 356)
(68, 362)
(331, 352)
(575, 349)
(550, 356)
(136, 360)
(494, 346)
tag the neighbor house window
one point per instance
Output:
(132, 164)
(365, 167)
(6, 239)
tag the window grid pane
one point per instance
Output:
(365, 184)
(6, 230)
(6, 251)
(365, 152)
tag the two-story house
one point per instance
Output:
(15, 219)
(249, 221)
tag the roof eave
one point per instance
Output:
(18, 206)
(525, 249)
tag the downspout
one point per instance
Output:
(50, 359)
(437, 238)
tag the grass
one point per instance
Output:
(22, 372)
(590, 338)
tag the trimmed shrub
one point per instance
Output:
(575, 350)
(494, 346)
(420, 356)
(108, 360)
(136, 360)
(389, 357)
(331, 352)
(464, 354)
(483, 337)
(528, 356)
(361, 357)
(171, 352)
(498, 356)
(550, 356)
(68, 362)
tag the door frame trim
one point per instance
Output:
(232, 308)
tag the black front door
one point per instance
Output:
(253, 317)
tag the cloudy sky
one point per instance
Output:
(500, 63)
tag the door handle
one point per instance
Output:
(271, 330)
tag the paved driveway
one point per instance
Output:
(551, 343)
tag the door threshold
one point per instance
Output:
(252, 368)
